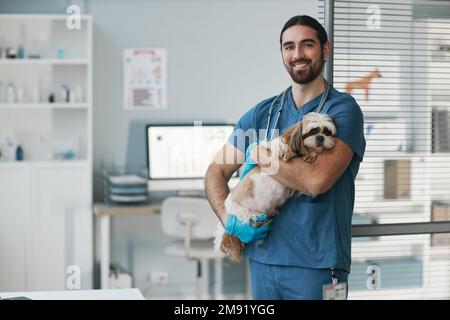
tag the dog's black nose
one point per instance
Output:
(320, 139)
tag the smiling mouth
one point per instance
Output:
(300, 66)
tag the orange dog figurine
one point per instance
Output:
(363, 83)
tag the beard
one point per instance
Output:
(308, 74)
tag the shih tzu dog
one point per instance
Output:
(259, 192)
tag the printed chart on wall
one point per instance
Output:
(145, 79)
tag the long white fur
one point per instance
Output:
(268, 193)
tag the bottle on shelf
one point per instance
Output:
(19, 153)
(43, 45)
(51, 97)
(11, 53)
(77, 94)
(60, 53)
(20, 94)
(37, 92)
(65, 93)
(1, 91)
(10, 93)
(22, 40)
(33, 51)
(35, 95)
(10, 149)
(20, 52)
(2, 48)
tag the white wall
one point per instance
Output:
(223, 58)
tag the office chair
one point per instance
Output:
(193, 223)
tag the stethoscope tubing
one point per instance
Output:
(280, 108)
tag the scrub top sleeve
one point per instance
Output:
(349, 122)
(244, 132)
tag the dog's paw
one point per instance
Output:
(287, 155)
(311, 157)
(232, 247)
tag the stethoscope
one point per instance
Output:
(280, 108)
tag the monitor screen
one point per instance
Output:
(183, 151)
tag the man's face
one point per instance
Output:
(302, 55)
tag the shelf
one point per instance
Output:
(49, 163)
(68, 62)
(60, 17)
(44, 192)
(43, 106)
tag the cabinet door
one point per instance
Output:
(62, 229)
(15, 214)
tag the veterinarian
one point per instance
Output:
(307, 249)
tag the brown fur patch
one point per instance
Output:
(232, 247)
(245, 189)
(287, 155)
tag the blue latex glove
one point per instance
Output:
(249, 164)
(246, 232)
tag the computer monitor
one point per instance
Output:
(179, 155)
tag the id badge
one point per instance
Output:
(334, 291)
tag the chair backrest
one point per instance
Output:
(175, 212)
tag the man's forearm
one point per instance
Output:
(296, 174)
(317, 177)
(217, 190)
(313, 178)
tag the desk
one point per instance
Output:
(111, 294)
(103, 213)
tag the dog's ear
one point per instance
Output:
(294, 139)
(298, 140)
(287, 135)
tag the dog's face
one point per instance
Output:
(315, 132)
(318, 131)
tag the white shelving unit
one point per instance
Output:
(46, 199)
(26, 61)
(44, 105)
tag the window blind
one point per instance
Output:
(393, 57)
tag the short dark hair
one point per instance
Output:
(308, 21)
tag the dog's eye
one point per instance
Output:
(327, 132)
(313, 131)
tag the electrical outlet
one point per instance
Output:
(159, 277)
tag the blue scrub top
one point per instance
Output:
(310, 232)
